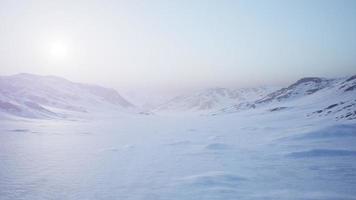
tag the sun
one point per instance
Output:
(58, 50)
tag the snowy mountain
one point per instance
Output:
(213, 99)
(297, 143)
(315, 96)
(301, 88)
(34, 96)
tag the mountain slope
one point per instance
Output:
(34, 96)
(212, 99)
(317, 97)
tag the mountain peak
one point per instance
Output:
(315, 80)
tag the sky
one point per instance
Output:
(179, 44)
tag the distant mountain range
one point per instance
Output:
(33, 96)
(213, 99)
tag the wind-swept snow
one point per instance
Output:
(246, 155)
(277, 150)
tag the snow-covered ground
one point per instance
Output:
(294, 143)
(247, 155)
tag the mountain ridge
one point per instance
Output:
(212, 99)
(321, 97)
(34, 96)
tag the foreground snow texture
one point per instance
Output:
(246, 155)
(64, 140)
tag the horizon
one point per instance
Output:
(177, 99)
(184, 90)
(142, 97)
(180, 45)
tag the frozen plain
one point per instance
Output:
(247, 155)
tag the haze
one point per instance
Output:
(178, 44)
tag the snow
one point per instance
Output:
(212, 99)
(322, 153)
(318, 96)
(246, 155)
(33, 96)
(277, 150)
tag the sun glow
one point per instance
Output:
(58, 50)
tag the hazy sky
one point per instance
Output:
(179, 43)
